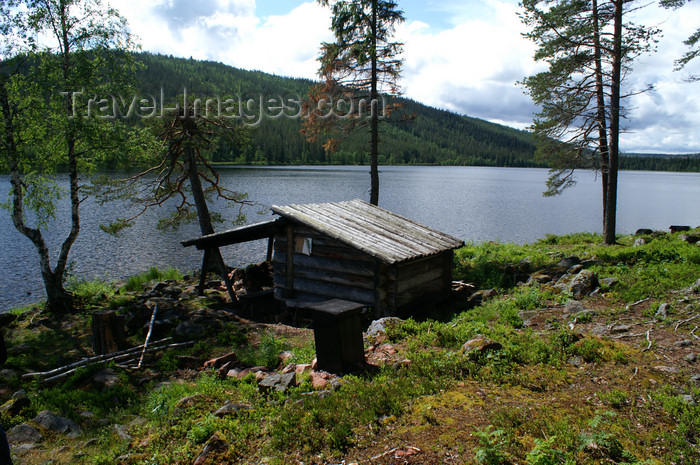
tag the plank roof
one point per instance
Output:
(377, 232)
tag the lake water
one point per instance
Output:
(472, 203)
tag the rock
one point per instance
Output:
(189, 330)
(23, 434)
(480, 344)
(695, 379)
(302, 368)
(689, 238)
(386, 349)
(665, 369)
(285, 357)
(692, 358)
(211, 452)
(575, 361)
(677, 228)
(278, 381)
(688, 400)
(225, 368)
(620, 329)
(52, 422)
(230, 408)
(576, 269)
(609, 282)
(320, 379)
(568, 262)
(540, 277)
(638, 242)
(478, 297)
(291, 367)
(574, 307)
(221, 361)
(683, 343)
(643, 231)
(662, 311)
(105, 379)
(15, 405)
(380, 326)
(583, 284)
(122, 432)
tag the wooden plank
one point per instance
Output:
(418, 280)
(289, 285)
(335, 291)
(335, 277)
(355, 267)
(408, 296)
(245, 233)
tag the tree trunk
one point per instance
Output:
(374, 122)
(611, 200)
(602, 119)
(200, 202)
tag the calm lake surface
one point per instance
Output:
(472, 203)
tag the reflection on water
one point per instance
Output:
(472, 203)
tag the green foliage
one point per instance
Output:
(493, 444)
(266, 353)
(137, 282)
(602, 444)
(544, 453)
(89, 294)
(684, 438)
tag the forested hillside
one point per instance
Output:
(417, 134)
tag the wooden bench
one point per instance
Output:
(338, 335)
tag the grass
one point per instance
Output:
(136, 283)
(525, 403)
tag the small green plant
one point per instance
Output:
(544, 453)
(614, 398)
(265, 353)
(493, 444)
(89, 293)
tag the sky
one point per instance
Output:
(464, 56)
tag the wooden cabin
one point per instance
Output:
(352, 251)
(362, 253)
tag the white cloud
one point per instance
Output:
(467, 62)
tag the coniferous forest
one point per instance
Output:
(418, 134)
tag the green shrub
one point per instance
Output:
(137, 282)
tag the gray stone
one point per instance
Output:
(665, 369)
(189, 330)
(662, 311)
(52, 422)
(277, 381)
(683, 343)
(620, 328)
(583, 284)
(480, 344)
(643, 231)
(568, 262)
(23, 434)
(688, 399)
(692, 358)
(575, 361)
(609, 282)
(576, 269)
(230, 408)
(640, 241)
(689, 238)
(106, 378)
(574, 307)
(122, 432)
(380, 326)
(17, 402)
(695, 379)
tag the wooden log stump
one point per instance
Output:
(108, 334)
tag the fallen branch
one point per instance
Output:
(148, 336)
(124, 356)
(692, 333)
(87, 361)
(634, 304)
(649, 341)
(636, 369)
(686, 321)
(411, 448)
(626, 335)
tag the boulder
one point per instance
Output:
(221, 361)
(574, 307)
(15, 405)
(212, 452)
(52, 422)
(230, 408)
(643, 232)
(568, 262)
(583, 284)
(321, 379)
(480, 344)
(279, 382)
(689, 238)
(23, 434)
(380, 326)
(105, 379)
(609, 282)
(188, 330)
(638, 242)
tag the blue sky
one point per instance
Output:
(463, 56)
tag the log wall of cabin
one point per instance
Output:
(332, 270)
